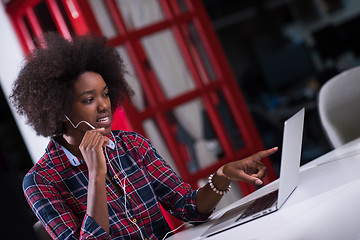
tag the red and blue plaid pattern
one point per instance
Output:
(57, 192)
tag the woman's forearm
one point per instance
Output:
(97, 201)
(206, 198)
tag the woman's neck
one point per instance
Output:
(71, 144)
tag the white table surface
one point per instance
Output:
(325, 205)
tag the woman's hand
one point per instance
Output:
(91, 148)
(249, 169)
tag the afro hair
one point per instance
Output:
(43, 90)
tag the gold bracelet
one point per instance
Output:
(221, 192)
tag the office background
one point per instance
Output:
(318, 37)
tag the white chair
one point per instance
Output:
(339, 107)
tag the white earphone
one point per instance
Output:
(123, 184)
(77, 125)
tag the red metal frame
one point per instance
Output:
(58, 19)
(82, 20)
(76, 16)
(159, 105)
(232, 92)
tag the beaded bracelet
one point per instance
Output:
(221, 192)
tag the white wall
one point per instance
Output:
(11, 58)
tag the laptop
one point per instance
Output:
(270, 202)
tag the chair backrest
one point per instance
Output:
(40, 231)
(339, 107)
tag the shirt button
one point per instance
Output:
(134, 220)
(115, 177)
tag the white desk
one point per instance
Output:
(325, 205)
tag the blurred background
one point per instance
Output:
(214, 80)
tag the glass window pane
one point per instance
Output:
(182, 6)
(140, 13)
(103, 18)
(138, 99)
(33, 43)
(167, 61)
(230, 125)
(65, 17)
(154, 135)
(44, 17)
(195, 132)
(198, 53)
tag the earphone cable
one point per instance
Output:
(123, 184)
(125, 195)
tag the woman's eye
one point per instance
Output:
(88, 100)
(106, 94)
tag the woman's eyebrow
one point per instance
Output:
(92, 91)
(87, 92)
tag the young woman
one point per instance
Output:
(94, 183)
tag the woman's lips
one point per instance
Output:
(104, 121)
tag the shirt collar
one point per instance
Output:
(74, 160)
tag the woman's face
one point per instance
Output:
(91, 103)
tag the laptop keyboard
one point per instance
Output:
(260, 204)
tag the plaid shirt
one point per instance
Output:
(57, 192)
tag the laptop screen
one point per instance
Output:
(290, 156)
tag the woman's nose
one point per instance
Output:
(103, 104)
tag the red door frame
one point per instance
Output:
(83, 20)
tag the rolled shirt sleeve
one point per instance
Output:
(58, 219)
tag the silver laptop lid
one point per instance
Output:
(290, 156)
